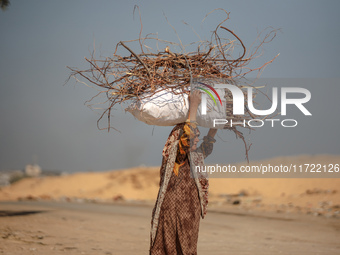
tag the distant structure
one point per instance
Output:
(4, 179)
(33, 170)
(8, 176)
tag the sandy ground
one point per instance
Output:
(110, 213)
(87, 228)
(317, 196)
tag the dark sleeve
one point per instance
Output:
(206, 146)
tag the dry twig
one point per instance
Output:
(124, 78)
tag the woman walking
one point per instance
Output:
(183, 194)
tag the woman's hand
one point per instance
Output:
(195, 100)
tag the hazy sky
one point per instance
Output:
(41, 120)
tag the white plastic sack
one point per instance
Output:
(217, 111)
(165, 108)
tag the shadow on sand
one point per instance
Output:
(17, 213)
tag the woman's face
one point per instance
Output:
(193, 143)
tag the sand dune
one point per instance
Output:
(311, 195)
(137, 184)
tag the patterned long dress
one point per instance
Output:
(181, 201)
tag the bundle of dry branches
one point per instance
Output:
(124, 78)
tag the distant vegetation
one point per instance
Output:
(17, 177)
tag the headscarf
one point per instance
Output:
(189, 131)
